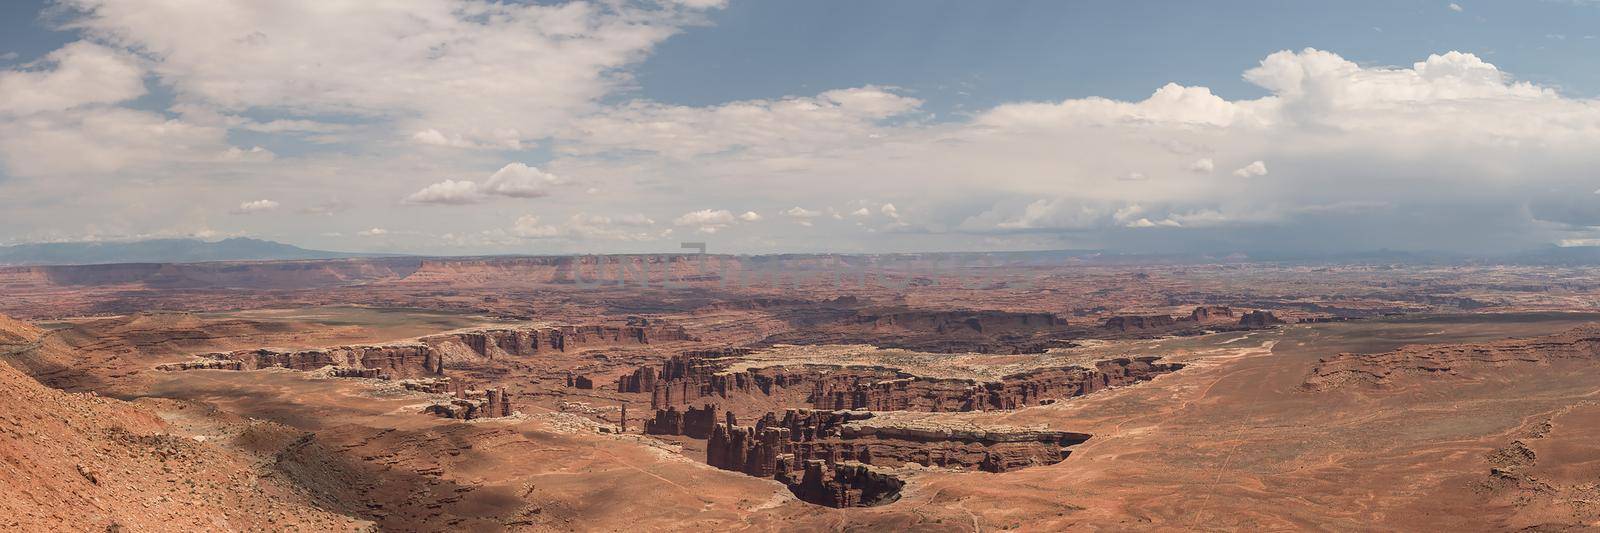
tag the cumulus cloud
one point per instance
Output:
(1254, 169)
(447, 192)
(801, 215)
(80, 73)
(1449, 151)
(1456, 7)
(707, 220)
(373, 232)
(518, 180)
(469, 73)
(515, 180)
(256, 206)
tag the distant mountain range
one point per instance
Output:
(158, 251)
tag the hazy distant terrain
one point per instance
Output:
(157, 251)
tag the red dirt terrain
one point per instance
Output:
(503, 394)
(82, 462)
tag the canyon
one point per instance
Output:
(522, 394)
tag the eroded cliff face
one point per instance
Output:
(823, 455)
(1384, 369)
(431, 355)
(1139, 322)
(938, 331)
(956, 321)
(686, 380)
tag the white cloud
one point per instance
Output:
(256, 206)
(863, 212)
(583, 226)
(801, 215)
(462, 73)
(1203, 165)
(515, 180)
(81, 73)
(447, 192)
(755, 126)
(890, 211)
(99, 142)
(750, 216)
(518, 180)
(373, 232)
(635, 220)
(1456, 7)
(707, 220)
(1254, 169)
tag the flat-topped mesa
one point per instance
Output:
(780, 448)
(201, 364)
(428, 356)
(1443, 361)
(931, 330)
(1209, 313)
(1205, 314)
(411, 359)
(953, 321)
(488, 342)
(885, 389)
(1139, 322)
(1259, 318)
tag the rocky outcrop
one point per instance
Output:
(843, 485)
(691, 422)
(427, 385)
(1139, 322)
(201, 364)
(489, 342)
(472, 405)
(427, 356)
(1205, 314)
(830, 440)
(1259, 319)
(678, 367)
(1211, 313)
(685, 381)
(955, 322)
(410, 359)
(1441, 360)
(925, 330)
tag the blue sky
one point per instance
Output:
(1049, 50)
(459, 126)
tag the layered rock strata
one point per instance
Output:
(428, 356)
(685, 381)
(826, 447)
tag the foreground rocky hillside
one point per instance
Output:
(81, 462)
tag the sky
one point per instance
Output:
(459, 127)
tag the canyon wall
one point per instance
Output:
(429, 356)
(688, 380)
(1443, 360)
(824, 458)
